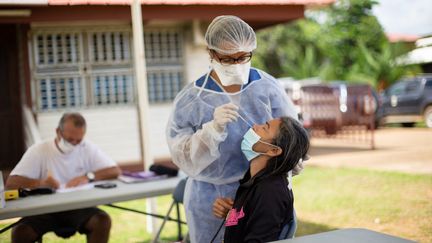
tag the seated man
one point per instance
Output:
(65, 161)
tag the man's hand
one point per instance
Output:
(221, 207)
(79, 180)
(50, 182)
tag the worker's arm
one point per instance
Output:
(16, 181)
(102, 174)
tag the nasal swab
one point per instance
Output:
(245, 121)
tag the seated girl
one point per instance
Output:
(263, 204)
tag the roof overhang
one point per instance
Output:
(258, 13)
(191, 2)
(417, 56)
(394, 37)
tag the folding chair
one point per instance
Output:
(177, 200)
(289, 229)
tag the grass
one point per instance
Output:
(325, 199)
(394, 203)
(420, 124)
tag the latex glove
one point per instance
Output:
(222, 206)
(223, 115)
(300, 166)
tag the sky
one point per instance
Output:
(413, 17)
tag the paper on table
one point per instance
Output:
(63, 188)
(140, 176)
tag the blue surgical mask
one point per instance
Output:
(249, 139)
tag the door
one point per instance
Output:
(409, 101)
(11, 131)
(391, 99)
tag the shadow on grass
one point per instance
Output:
(307, 228)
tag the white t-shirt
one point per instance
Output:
(45, 156)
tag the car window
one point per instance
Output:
(428, 83)
(413, 87)
(397, 89)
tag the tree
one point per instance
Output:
(342, 42)
(348, 23)
(380, 66)
(283, 49)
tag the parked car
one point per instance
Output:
(407, 101)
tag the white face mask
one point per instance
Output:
(235, 74)
(65, 146)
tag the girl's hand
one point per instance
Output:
(221, 207)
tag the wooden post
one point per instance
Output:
(141, 81)
(143, 103)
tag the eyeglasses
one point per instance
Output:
(230, 61)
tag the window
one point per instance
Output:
(428, 83)
(60, 49)
(412, 87)
(110, 47)
(110, 55)
(164, 59)
(112, 89)
(92, 66)
(56, 60)
(60, 92)
(397, 89)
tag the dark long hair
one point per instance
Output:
(293, 139)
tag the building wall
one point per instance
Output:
(116, 128)
(197, 59)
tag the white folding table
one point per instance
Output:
(354, 235)
(57, 202)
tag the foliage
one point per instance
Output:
(379, 66)
(280, 49)
(342, 42)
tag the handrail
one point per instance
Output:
(31, 131)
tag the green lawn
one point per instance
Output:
(325, 199)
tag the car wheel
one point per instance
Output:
(428, 116)
(408, 124)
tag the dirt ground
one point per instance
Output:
(396, 149)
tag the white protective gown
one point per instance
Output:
(214, 161)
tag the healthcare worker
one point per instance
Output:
(210, 117)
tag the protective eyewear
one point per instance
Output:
(230, 61)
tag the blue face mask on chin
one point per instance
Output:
(249, 139)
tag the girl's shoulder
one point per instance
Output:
(272, 185)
